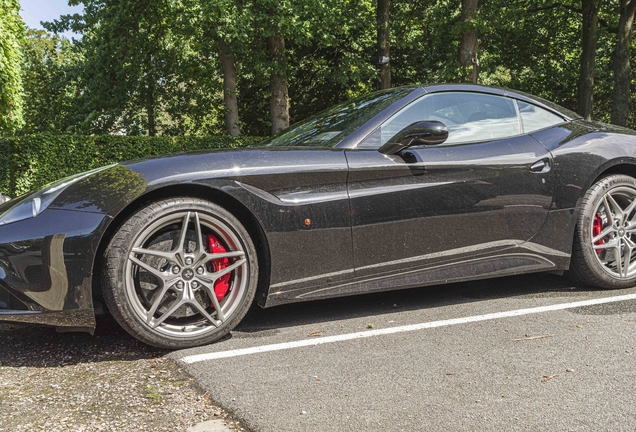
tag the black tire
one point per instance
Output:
(159, 281)
(605, 234)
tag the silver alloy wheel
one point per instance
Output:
(612, 228)
(169, 279)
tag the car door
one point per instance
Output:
(487, 188)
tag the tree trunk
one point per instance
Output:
(384, 47)
(622, 66)
(150, 97)
(589, 39)
(469, 45)
(228, 65)
(150, 108)
(279, 100)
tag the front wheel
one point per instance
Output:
(180, 273)
(604, 250)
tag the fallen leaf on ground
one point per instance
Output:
(548, 377)
(534, 337)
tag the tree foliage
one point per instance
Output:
(49, 84)
(11, 31)
(140, 73)
(199, 67)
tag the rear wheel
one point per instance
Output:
(604, 252)
(180, 273)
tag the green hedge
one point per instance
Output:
(31, 161)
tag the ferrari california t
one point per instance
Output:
(406, 187)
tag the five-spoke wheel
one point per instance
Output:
(604, 253)
(180, 273)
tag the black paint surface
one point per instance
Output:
(427, 215)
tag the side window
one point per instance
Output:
(468, 117)
(534, 118)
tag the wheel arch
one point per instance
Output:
(617, 166)
(567, 206)
(622, 166)
(228, 202)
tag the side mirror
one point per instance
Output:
(419, 133)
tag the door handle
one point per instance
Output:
(541, 166)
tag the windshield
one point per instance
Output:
(331, 126)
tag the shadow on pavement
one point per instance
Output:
(533, 285)
(31, 346)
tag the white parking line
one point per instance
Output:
(407, 328)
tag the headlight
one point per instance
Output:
(35, 203)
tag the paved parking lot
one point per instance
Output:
(566, 366)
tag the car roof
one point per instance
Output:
(500, 91)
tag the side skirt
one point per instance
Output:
(512, 262)
(78, 319)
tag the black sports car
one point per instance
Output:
(406, 187)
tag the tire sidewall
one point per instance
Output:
(120, 247)
(584, 231)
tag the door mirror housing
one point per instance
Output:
(430, 132)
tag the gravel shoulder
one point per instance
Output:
(109, 381)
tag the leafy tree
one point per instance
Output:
(425, 38)
(190, 67)
(223, 34)
(11, 32)
(622, 63)
(275, 21)
(49, 84)
(140, 73)
(334, 63)
(531, 47)
(328, 47)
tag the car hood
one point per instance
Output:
(225, 163)
(112, 188)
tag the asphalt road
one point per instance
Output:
(571, 369)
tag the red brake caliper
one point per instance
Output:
(597, 228)
(222, 285)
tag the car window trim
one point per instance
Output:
(516, 104)
(354, 139)
(505, 94)
(563, 118)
